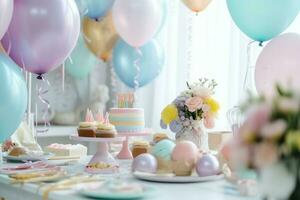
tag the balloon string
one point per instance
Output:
(189, 49)
(249, 47)
(137, 69)
(138, 72)
(63, 77)
(113, 84)
(42, 90)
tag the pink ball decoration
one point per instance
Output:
(6, 7)
(279, 62)
(137, 21)
(185, 151)
(42, 33)
(208, 165)
(144, 163)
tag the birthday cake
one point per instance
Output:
(126, 118)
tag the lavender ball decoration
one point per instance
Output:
(144, 163)
(207, 165)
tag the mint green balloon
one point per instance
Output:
(82, 60)
(13, 97)
(263, 20)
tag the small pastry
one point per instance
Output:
(159, 136)
(87, 128)
(17, 151)
(105, 131)
(139, 147)
(99, 165)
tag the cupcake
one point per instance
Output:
(159, 136)
(87, 128)
(163, 151)
(105, 130)
(139, 147)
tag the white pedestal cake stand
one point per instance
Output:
(125, 152)
(102, 154)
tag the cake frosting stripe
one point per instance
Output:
(127, 119)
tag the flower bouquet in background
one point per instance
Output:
(191, 112)
(269, 142)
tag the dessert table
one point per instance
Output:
(218, 190)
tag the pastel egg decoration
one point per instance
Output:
(144, 163)
(208, 165)
(185, 151)
(162, 152)
(163, 149)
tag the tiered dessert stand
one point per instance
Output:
(102, 154)
(125, 152)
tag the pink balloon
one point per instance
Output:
(6, 10)
(137, 21)
(42, 33)
(279, 62)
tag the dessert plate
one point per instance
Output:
(113, 195)
(24, 158)
(171, 178)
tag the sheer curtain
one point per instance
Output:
(205, 45)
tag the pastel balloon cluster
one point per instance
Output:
(42, 34)
(137, 57)
(279, 59)
(183, 159)
(253, 17)
(13, 97)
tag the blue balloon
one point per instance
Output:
(13, 97)
(95, 8)
(82, 60)
(150, 62)
(165, 10)
(262, 20)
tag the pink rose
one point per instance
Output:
(209, 122)
(273, 130)
(258, 116)
(194, 103)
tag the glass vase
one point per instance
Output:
(195, 133)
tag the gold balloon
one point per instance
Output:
(2, 49)
(196, 5)
(100, 36)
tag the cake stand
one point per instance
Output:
(102, 154)
(125, 152)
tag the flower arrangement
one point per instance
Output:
(269, 142)
(192, 106)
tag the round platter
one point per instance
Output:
(25, 158)
(94, 139)
(145, 132)
(97, 193)
(171, 178)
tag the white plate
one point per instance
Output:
(171, 178)
(148, 191)
(24, 158)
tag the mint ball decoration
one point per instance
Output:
(163, 149)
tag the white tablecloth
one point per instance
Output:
(218, 190)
